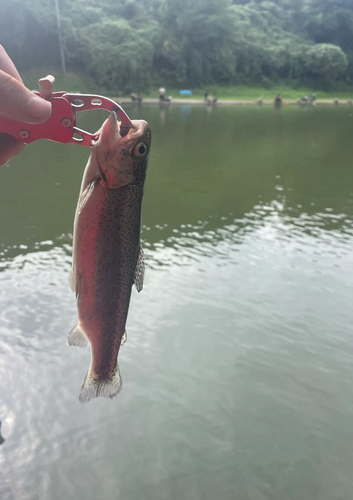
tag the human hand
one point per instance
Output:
(17, 103)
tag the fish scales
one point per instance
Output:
(105, 295)
(107, 254)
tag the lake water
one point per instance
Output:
(238, 368)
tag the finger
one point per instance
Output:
(9, 147)
(7, 65)
(19, 103)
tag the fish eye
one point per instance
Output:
(141, 149)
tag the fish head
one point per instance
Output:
(122, 159)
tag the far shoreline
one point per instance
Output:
(231, 102)
(77, 82)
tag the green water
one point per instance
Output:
(238, 368)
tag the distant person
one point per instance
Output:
(206, 95)
(278, 101)
(18, 103)
(135, 97)
(161, 92)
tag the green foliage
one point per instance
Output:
(265, 50)
(326, 60)
(71, 82)
(134, 45)
(107, 51)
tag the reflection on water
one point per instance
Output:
(238, 366)
(324, 232)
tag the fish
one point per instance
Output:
(107, 255)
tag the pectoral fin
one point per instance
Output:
(85, 196)
(140, 271)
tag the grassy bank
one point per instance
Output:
(74, 82)
(253, 93)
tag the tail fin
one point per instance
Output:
(93, 388)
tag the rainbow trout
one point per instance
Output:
(107, 257)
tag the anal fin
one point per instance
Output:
(77, 337)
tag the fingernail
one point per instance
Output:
(38, 108)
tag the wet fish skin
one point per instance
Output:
(107, 258)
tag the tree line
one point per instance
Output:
(135, 44)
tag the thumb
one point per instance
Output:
(19, 103)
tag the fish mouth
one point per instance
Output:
(119, 133)
(128, 134)
(118, 163)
